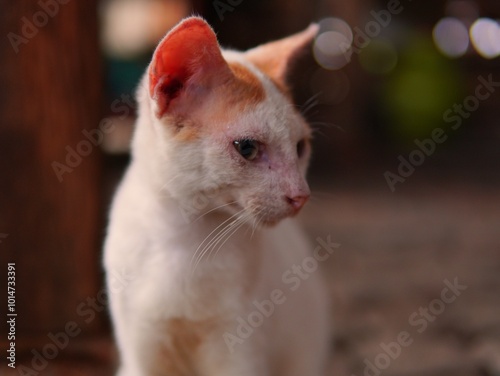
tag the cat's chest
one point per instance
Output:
(198, 277)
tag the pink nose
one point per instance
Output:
(297, 202)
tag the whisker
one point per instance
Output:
(321, 133)
(198, 257)
(228, 230)
(310, 104)
(256, 222)
(164, 186)
(252, 222)
(206, 250)
(237, 227)
(325, 124)
(253, 225)
(218, 207)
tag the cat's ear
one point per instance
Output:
(275, 58)
(188, 57)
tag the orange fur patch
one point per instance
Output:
(240, 91)
(186, 129)
(271, 68)
(178, 357)
(237, 92)
(275, 58)
(245, 88)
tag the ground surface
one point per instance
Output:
(397, 252)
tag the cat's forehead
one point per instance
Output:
(257, 104)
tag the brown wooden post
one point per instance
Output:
(50, 91)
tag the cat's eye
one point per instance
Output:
(249, 149)
(301, 147)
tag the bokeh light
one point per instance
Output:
(337, 24)
(333, 46)
(423, 85)
(485, 36)
(133, 27)
(451, 37)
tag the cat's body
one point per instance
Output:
(209, 293)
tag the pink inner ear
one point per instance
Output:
(190, 48)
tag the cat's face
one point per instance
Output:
(232, 137)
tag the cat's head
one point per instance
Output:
(228, 133)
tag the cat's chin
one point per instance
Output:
(272, 221)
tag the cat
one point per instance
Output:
(202, 220)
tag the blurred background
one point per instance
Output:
(404, 99)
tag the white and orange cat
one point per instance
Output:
(209, 293)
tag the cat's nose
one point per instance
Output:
(297, 202)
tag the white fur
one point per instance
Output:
(152, 238)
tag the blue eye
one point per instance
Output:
(249, 149)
